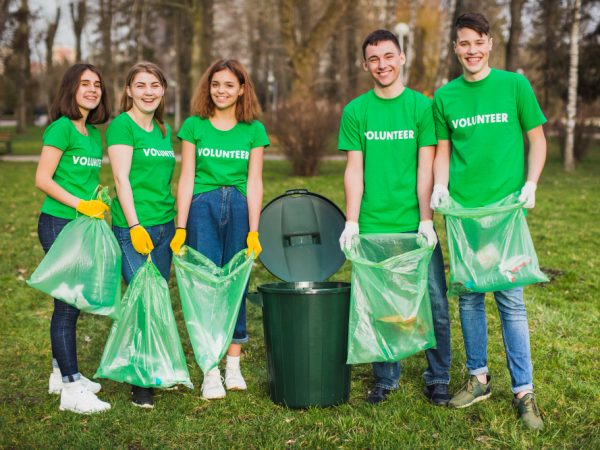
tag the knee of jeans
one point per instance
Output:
(474, 303)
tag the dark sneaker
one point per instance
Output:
(437, 394)
(142, 397)
(377, 395)
(529, 412)
(472, 392)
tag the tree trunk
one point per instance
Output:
(410, 45)
(23, 52)
(4, 14)
(106, 23)
(202, 12)
(569, 160)
(514, 37)
(445, 42)
(50, 35)
(78, 16)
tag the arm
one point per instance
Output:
(425, 181)
(255, 187)
(47, 165)
(185, 187)
(354, 184)
(537, 153)
(441, 164)
(120, 159)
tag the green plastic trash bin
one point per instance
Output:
(305, 318)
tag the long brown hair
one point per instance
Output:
(247, 107)
(65, 103)
(127, 101)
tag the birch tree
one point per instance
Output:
(569, 160)
(445, 42)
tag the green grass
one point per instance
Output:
(563, 318)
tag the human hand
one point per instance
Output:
(439, 196)
(350, 230)
(141, 240)
(426, 230)
(253, 244)
(92, 208)
(178, 240)
(527, 194)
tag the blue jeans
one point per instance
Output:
(217, 227)
(515, 333)
(63, 326)
(162, 255)
(387, 375)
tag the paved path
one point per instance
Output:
(268, 157)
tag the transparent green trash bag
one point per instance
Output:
(143, 347)
(490, 247)
(210, 299)
(83, 266)
(390, 310)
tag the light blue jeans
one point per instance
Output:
(515, 333)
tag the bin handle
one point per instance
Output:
(296, 192)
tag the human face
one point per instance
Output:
(146, 92)
(225, 89)
(89, 92)
(473, 52)
(383, 61)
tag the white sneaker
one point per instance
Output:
(212, 387)
(55, 383)
(234, 381)
(76, 398)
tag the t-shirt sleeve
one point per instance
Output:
(349, 135)
(260, 138)
(119, 133)
(57, 135)
(530, 113)
(442, 131)
(186, 132)
(426, 127)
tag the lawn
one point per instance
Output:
(563, 319)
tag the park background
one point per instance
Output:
(304, 58)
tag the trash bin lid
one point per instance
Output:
(299, 234)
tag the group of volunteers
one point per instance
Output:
(405, 156)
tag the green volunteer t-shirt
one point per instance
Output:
(389, 132)
(78, 171)
(485, 121)
(151, 171)
(222, 156)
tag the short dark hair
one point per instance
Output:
(378, 36)
(475, 21)
(65, 103)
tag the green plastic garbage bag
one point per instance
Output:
(83, 266)
(490, 247)
(143, 347)
(210, 299)
(390, 310)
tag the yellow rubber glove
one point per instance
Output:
(92, 208)
(253, 244)
(141, 240)
(178, 240)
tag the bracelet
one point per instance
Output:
(132, 226)
(180, 228)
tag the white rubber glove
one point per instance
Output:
(439, 195)
(350, 230)
(528, 194)
(426, 230)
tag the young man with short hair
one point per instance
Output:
(480, 118)
(389, 137)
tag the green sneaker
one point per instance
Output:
(529, 411)
(472, 392)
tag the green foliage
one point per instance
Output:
(563, 319)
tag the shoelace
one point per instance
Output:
(530, 403)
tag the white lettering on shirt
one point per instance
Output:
(394, 135)
(219, 153)
(87, 161)
(464, 122)
(160, 153)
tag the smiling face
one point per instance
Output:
(473, 52)
(383, 61)
(146, 92)
(89, 92)
(225, 89)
